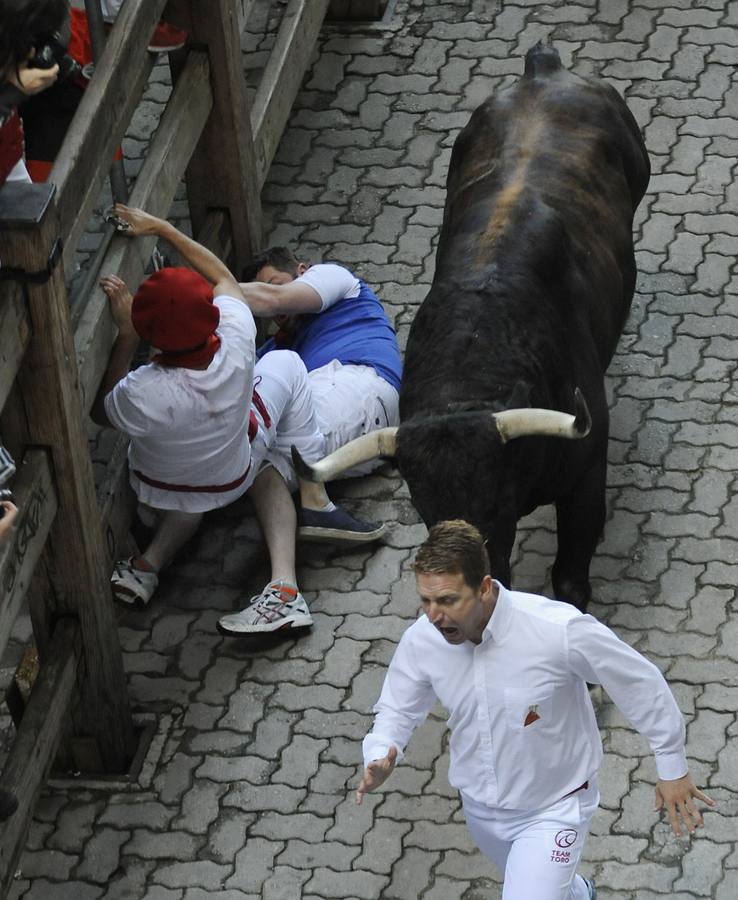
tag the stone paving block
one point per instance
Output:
(74, 827)
(299, 761)
(227, 770)
(41, 889)
(254, 797)
(351, 822)
(47, 864)
(278, 827)
(141, 813)
(464, 865)
(101, 855)
(447, 889)
(318, 723)
(362, 885)
(432, 836)
(645, 875)
(253, 865)
(199, 807)
(284, 884)
(199, 873)
(299, 854)
(246, 706)
(383, 846)
(171, 844)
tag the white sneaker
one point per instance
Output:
(133, 586)
(278, 607)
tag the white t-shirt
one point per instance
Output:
(331, 282)
(190, 427)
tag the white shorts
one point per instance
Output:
(351, 401)
(537, 852)
(281, 380)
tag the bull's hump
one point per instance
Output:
(509, 197)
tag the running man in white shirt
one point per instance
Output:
(512, 670)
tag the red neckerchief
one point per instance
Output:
(198, 357)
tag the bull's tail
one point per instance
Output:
(540, 60)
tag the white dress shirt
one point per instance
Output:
(532, 666)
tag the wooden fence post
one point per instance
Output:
(222, 172)
(50, 394)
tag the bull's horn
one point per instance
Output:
(360, 450)
(515, 423)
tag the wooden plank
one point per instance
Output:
(222, 171)
(36, 743)
(282, 78)
(48, 382)
(15, 332)
(102, 118)
(160, 175)
(216, 234)
(117, 502)
(33, 487)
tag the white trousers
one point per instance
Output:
(351, 401)
(281, 380)
(537, 852)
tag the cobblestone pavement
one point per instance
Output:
(244, 790)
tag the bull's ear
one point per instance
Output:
(520, 397)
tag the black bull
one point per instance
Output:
(534, 278)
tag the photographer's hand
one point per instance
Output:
(8, 519)
(31, 80)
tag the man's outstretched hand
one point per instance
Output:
(678, 797)
(376, 773)
(139, 223)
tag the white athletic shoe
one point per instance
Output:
(133, 586)
(278, 607)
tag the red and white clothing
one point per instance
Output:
(12, 166)
(189, 427)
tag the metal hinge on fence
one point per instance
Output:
(12, 273)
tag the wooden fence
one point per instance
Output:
(70, 531)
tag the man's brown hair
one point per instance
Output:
(454, 547)
(280, 258)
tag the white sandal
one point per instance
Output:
(133, 586)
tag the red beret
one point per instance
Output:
(173, 310)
